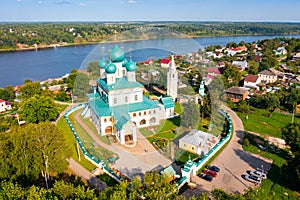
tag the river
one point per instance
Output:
(55, 62)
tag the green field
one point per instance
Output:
(259, 121)
(275, 187)
(63, 126)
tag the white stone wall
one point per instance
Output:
(126, 96)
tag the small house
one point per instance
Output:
(236, 94)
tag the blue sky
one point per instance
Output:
(150, 10)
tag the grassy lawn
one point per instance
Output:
(259, 121)
(63, 126)
(275, 187)
(90, 124)
(97, 151)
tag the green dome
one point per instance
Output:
(131, 66)
(102, 63)
(125, 61)
(111, 68)
(117, 54)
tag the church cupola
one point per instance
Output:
(117, 56)
(102, 65)
(111, 73)
(131, 67)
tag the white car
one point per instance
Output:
(258, 174)
(254, 179)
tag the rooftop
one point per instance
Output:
(236, 90)
(121, 83)
(251, 78)
(103, 109)
(167, 102)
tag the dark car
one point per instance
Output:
(205, 177)
(214, 168)
(210, 172)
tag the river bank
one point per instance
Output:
(121, 41)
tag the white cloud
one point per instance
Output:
(82, 4)
(131, 1)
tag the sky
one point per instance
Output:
(150, 10)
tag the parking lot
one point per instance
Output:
(233, 162)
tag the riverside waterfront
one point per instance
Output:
(40, 65)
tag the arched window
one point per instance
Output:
(105, 120)
(142, 122)
(134, 114)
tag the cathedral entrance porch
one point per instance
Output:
(108, 130)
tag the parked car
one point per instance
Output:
(254, 179)
(257, 173)
(214, 168)
(210, 172)
(205, 177)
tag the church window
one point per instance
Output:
(140, 113)
(105, 120)
(149, 112)
(110, 119)
(154, 111)
(134, 114)
(136, 97)
(126, 99)
(145, 113)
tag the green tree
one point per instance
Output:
(190, 115)
(10, 191)
(253, 67)
(30, 89)
(7, 93)
(81, 86)
(157, 187)
(292, 171)
(30, 150)
(38, 109)
(291, 135)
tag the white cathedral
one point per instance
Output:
(118, 106)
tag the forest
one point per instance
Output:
(40, 35)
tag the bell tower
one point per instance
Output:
(172, 80)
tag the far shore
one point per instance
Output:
(119, 41)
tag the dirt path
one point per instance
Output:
(85, 174)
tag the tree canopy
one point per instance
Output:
(190, 115)
(31, 149)
(38, 109)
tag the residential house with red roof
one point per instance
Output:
(165, 62)
(251, 81)
(5, 106)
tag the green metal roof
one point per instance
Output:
(121, 122)
(169, 172)
(167, 102)
(121, 83)
(102, 109)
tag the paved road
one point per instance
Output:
(131, 163)
(233, 162)
(85, 174)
